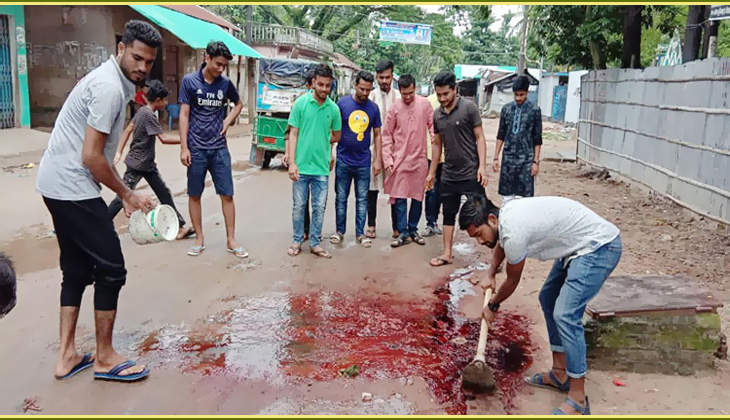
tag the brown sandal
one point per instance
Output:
(320, 253)
(370, 233)
(294, 250)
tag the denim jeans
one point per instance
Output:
(407, 222)
(564, 297)
(319, 187)
(433, 198)
(344, 176)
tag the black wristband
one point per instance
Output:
(494, 307)
(535, 162)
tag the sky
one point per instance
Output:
(497, 12)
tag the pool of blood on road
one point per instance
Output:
(283, 337)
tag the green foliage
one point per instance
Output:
(660, 22)
(566, 34)
(484, 46)
(423, 61)
(723, 39)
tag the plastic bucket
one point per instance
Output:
(160, 224)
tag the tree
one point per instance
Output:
(481, 45)
(631, 56)
(693, 33)
(329, 22)
(423, 61)
(723, 39)
(586, 36)
(594, 36)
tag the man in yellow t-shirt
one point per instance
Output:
(433, 197)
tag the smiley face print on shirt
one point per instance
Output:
(358, 123)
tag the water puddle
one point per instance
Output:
(463, 248)
(290, 338)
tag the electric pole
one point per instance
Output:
(250, 67)
(522, 60)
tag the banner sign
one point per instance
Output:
(407, 33)
(719, 12)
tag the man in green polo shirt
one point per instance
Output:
(315, 126)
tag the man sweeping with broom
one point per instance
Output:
(586, 248)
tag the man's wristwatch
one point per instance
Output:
(494, 307)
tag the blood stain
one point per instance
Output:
(286, 337)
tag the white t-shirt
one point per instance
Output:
(98, 100)
(548, 228)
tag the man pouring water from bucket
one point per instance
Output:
(78, 159)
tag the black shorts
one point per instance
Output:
(90, 252)
(451, 194)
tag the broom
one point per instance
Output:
(477, 377)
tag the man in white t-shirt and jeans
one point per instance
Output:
(586, 249)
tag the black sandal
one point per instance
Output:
(418, 239)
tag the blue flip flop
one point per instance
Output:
(113, 374)
(84, 364)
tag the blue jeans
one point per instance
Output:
(407, 224)
(300, 189)
(433, 198)
(215, 161)
(564, 297)
(344, 176)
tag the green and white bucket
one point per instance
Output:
(160, 224)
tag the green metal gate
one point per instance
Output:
(7, 112)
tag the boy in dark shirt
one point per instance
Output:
(140, 159)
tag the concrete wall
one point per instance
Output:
(665, 127)
(572, 104)
(65, 43)
(545, 94)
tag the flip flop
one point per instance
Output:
(370, 233)
(113, 374)
(321, 253)
(336, 238)
(196, 250)
(441, 262)
(190, 232)
(294, 250)
(239, 252)
(536, 381)
(84, 364)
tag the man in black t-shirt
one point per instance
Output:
(458, 127)
(140, 159)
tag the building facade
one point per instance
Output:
(14, 103)
(64, 43)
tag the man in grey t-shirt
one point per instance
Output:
(78, 159)
(586, 249)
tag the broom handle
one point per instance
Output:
(482, 347)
